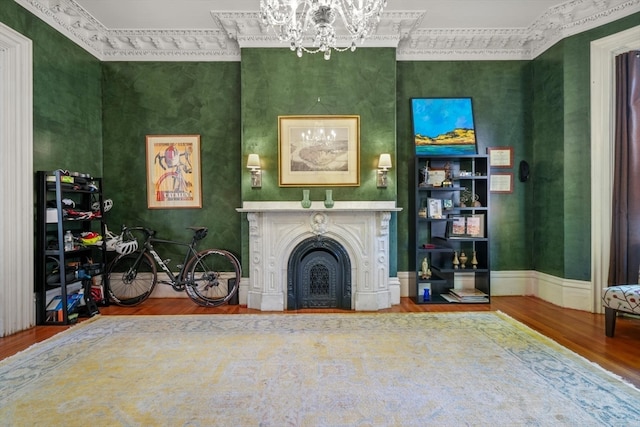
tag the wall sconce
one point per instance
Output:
(384, 164)
(253, 163)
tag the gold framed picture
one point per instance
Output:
(319, 151)
(173, 172)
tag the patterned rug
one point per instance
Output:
(414, 369)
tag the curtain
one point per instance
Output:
(624, 266)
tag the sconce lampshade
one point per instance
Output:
(384, 162)
(253, 162)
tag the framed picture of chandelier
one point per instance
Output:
(319, 151)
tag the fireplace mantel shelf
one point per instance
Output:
(339, 206)
(359, 227)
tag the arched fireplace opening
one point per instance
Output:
(319, 275)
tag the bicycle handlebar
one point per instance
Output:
(149, 232)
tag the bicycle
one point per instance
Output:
(210, 277)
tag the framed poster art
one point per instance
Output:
(173, 171)
(319, 151)
(443, 126)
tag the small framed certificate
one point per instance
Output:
(500, 157)
(501, 183)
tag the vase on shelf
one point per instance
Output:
(426, 295)
(328, 200)
(456, 261)
(474, 261)
(463, 260)
(306, 202)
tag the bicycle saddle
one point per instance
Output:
(200, 232)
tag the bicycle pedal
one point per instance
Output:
(166, 261)
(179, 266)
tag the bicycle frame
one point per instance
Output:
(178, 281)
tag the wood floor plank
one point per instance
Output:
(579, 331)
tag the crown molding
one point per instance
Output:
(399, 29)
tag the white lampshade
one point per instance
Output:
(384, 162)
(253, 162)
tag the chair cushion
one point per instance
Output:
(622, 297)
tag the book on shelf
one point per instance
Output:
(466, 295)
(56, 303)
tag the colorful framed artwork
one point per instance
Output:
(443, 126)
(173, 171)
(319, 151)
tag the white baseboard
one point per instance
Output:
(567, 293)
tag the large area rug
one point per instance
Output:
(414, 369)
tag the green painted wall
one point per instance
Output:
(501, 94)
(562, 154)
(67, 99)
(276, 82)
(93, 117)
(155, 98)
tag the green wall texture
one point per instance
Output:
(93, 117)
(67, 99)
(275, 82)
(174, 98)
(501, 95)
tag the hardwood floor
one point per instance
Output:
(579, 331)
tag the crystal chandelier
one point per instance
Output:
(296, 20)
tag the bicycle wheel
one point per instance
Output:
(214, 277)
(132, 278)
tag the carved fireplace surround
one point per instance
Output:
(361, 227)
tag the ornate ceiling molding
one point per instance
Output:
(400, 29)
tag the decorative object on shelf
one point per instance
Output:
(328, 200)
(319, 151)
(476, 201)
(466, 197)
(447, 204)
(426, 295)
(384, 164)
(425, 273)
(253, 163)
(436, 177)
(443, 126)
(424, 173)
(173, 171)
(297, 21)
(456, 261)
(422, 212)
(463, 260)
(306, 202)
(474, 261)
(447, 175)
(435, 208)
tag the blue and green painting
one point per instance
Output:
(443, 126)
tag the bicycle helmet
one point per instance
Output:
(106, 205)
(126, 248)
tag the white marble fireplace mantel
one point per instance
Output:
(361, 227)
